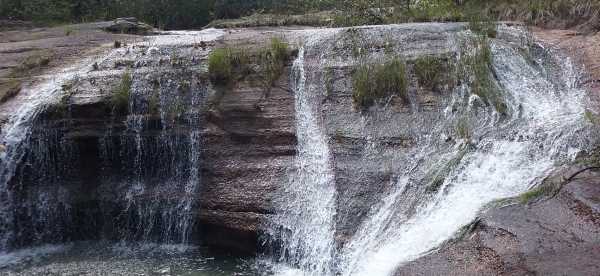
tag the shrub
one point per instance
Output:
(224, 63)
(120, 94)
(220, 65)
(428, 70)
(479, 72)
(273, 61)
(482, 26)
(374, 82)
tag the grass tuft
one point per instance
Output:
(374, 82)
(428, 71)
(120, 94)
(224, 63)
(273, 61)
(534, 194)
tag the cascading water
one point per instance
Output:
(155, 159)
(502, 154)
(506, 159)
(305, 227)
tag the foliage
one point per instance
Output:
(477, 70)
(120, 94)
(374, 82)
(223, 63)
(428, 70)
(273, 61)
(535, 193)
(591, 117)
(165, 13)
(482, 26)
(551, 13)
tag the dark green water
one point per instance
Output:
(93, 258)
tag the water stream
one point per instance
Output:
(503, 157)
(151, 170)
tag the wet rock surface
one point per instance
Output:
(549, 236)
(248, 143)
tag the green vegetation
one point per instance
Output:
(591, 117)
(321, 18)
(223, 62)
(483, 26)
(226, 65)
(476, 69)
(374, 82)
(535, 193)
(180, 14)
(273, 61)
(167, 13)
(428, 70)
(120, 94)
(440, 175)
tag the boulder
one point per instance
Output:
(129, 25)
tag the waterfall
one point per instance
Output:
(506, 153)
(150, 180)
(305, 226)
(15, 137)
(504, 160)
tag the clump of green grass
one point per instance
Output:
(120, 94)
(483, 26)
(374, 82)
(591, 117)
(535, 193)
(477, 69)
(428, 71)
(273, 61)
(224, 63)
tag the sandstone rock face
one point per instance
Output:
(550, 236)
